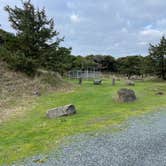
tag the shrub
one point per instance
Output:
(18, 61)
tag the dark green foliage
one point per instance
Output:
(83, 63)
(105, 63)
(9, 41)
(15, 58)
(33, 29)
(19, 62)
(97, 62)
(79, 62)
(1, 41)
(147, 66)
(34, 48)
(158, 55)
(4, 54)
(58, 59)
(130, 65)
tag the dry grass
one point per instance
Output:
(18, 91)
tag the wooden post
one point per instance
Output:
(80, 80)
(113, 81)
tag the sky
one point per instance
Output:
(108, 27)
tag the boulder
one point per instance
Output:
(126, 95)
(130, 83)
(61, 111)
(36, 93)
(97, 82)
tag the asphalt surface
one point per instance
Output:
(142, 143)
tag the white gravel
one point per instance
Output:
(143, 143)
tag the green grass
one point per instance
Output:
(97, 109)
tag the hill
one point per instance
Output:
(17, 90)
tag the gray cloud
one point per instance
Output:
(122, 27)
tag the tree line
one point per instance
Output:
(36, 44)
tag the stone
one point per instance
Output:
(126, 95)
(61, 111)
(36, 93)
(97, 82)
(130, 83)
(113, 81)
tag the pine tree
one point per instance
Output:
(34, 31)
(158, 54)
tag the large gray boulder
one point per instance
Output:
(61, 111)
(126, 95)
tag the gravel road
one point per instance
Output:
(142, 143)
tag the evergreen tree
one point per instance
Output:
(1, 40)
(9, 41)
(158, 54)
(34, 32)
(130, 65)
(147, 66)
(58, 59)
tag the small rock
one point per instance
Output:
(39, 161)
(97, 82)
(61, 111)
(130, 83)
(36, 93)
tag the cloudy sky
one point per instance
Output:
(114, 27)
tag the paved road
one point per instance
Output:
(143, 143)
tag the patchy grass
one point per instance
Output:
(97, 108)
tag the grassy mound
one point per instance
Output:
(97, 108)
(18, 91)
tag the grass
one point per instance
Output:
(17, 89)
(97, 109)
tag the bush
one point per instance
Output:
(4, 54)
(18, 61)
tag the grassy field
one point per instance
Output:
(97, 109)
